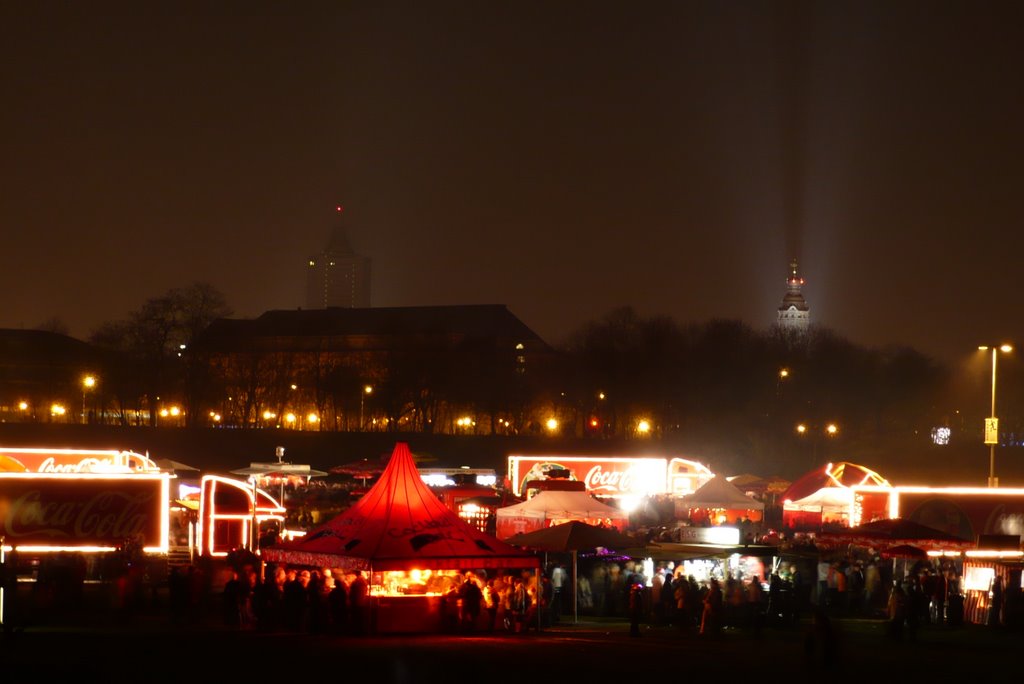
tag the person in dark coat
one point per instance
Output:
(296, 602)
(231, 600)
(636, 607)
(995, 611)
(472, 597)
(338, 603)
(358, 598)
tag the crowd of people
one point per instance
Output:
(322, 600)
(296, 599)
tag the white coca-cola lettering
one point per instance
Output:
(106, 515)
(611, 481)
(50, 465)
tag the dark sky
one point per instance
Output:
(562, 158)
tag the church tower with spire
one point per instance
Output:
(794, 314)
(338, 276)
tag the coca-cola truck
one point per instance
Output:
(613, 476)
(54, 500)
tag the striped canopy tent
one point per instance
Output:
(399, 524)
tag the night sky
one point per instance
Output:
(561, 158)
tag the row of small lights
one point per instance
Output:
(643, 426)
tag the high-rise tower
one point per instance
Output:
(794, 314)
(338, 276)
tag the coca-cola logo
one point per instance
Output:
(612, 481)
(107, 515)
(86, 465)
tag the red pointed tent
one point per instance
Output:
(399, 524)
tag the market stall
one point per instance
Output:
(719, 502)
(550, 508)
(574, 536)
(411, 546)
(825, 496)
(987, 581)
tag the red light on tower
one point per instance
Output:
(340, 208)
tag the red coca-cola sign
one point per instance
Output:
(603, 476)
(14, 460)
(82, 511)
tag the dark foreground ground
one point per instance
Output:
(149, 649)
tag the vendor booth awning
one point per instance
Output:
(892, 532)
(400, 524)
(680, 552)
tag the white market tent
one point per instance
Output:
(828, 504)
(550, 508)
(720, 493)
(719, 500)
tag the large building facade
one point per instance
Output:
(338, 276)
(411, 368)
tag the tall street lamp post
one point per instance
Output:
(367, 389)
(992, 423)
(88, 382)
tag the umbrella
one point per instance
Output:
(574, 536)
(168, 464)
(281, 470)
(905, 551)
(363, 469)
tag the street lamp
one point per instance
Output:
(367, 389)
(992, 423)
(780, 378)
(828, 430)
(88, 382)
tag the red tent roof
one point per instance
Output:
(399, 524)
(842, 474)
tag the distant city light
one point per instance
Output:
(940, 435)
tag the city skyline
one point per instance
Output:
(562, 160)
